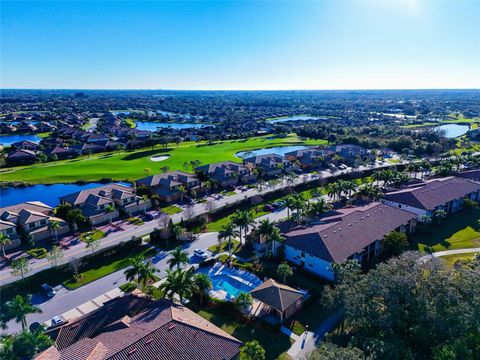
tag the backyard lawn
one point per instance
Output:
(130, 165)
(171, 210)
(458, 231)
(107, 266)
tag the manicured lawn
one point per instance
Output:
(217, 224)
(130, 122)
(107, 266)
(95, 234)
(450, 260)
(130, 165)
(274, 342)
(216, 248)
(172, 209)
(458, 231)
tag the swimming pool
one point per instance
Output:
(230, 285)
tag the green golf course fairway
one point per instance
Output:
(131, 165)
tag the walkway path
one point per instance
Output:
(449, 252)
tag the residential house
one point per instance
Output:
(22, 156)
(226, 173)
(270, 164)
(136, 328)
(425, 199)
(310, 158)
(94, 203)
(26, 145)
(62, 152)
(85, 149)
(473, 175)
(169, 186)
(33, 219)
(354, 232)
(9, 229)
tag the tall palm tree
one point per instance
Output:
(140, 271)
(265, 229)
(202, 285)
(18, 308)
(370, 192)
(243, 301)
(243, 219)
(289, 203)
(228, 231)
(53, 226)
(319, 207)
(4, 241)
(179, 282)
(275, 237)
(178, 258)
(109, 209)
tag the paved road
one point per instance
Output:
(79, 250)
(449, 252)
(69, 299)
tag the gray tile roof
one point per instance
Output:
(276, 295)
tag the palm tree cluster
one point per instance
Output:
(390, 178)
(228, 232)
(242, 219)
(341, 188)
(185, 284)
(141, 272)
(270, 233)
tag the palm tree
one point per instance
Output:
(333, 190)
(140, 271)
(177, 230)
(284, 270)
(370, 192)
(243, 219)
(109, 209)
(202, 285)
(74, 217)
(54, 226)
(179, 258)
(289, 203)
(265, 229)
(179, 282)
(243, 301)
(18, 308)
(319, 207)
(4, 241)
(228, 231)
(276, 236)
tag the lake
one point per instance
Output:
(47, 194)
(279, 150)
(152, 125)
(8, 140)
(294, 118)
(453, 130)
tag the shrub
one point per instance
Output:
(128, 287)
(38, 253)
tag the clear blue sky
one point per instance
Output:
(240, 44)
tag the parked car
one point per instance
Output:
(269, 207)
(48, 290)
(57, 320)
(149, 217)
(279, 205)
(200, 253)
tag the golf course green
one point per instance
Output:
(131, 165)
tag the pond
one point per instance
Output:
(278, 150)
(8, 140)
(47, 194)
(152, 125)
(453, 130)
(294, 118)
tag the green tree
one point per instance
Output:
(228, 231)
(20, 267)
(284, 270)
(395, 243)
(179, 282)
(4, 241)
(53, 226)
(140, 271)
(319, 207)
(18, 308)
(92, 243)
(178, 257)
(109, 209)
(54, 256)
(243, 219)
(243, 301)
(329, 351)
(252, 350)
(203, 285)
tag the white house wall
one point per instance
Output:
(312, 264)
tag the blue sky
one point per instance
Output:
(240, 44)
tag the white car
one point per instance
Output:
(57, 320)
(200, 253)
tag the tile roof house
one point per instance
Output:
(136, 328)
(167, 185)
(446, 194)
(9, 229)
(283, 299)
(270, 164)
(26, 145)
(33, 219)
(310, 158)
(354, 232)
(22, 156)
(473, 175)
(94, 202)
(226, 173)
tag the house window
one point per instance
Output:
(43, 222)
(31, 226)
